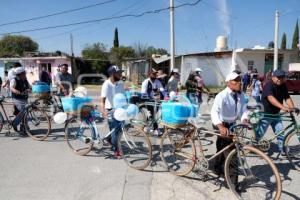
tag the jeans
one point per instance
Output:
(19, 105)
(195, 99)
(116, 126)
(257, 99)
(263, 125)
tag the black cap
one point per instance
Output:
(114, 69)
(278, 73)
(237, 71)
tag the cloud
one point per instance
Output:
(224, 16)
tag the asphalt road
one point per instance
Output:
(49, 170)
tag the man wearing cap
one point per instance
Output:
(229, 105)
(64, 80)
(173, 81)
(200, 84)
(19, 87)
(273, 94)
(110, 87)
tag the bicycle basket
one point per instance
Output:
(74, 104)
(41, 90)
(177, 113)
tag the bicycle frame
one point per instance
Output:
(286, 131)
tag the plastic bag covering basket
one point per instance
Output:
(73, 104)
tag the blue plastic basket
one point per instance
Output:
(178, 113)
(40, 88)
(73, 104)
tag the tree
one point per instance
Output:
(283, 41)
(119, 54)
(99, 55)
(116, 38)
(296, 37)
(16, 45)
(271, 45)
(143, 51)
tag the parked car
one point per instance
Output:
(293, 82)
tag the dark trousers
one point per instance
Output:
(221, 144)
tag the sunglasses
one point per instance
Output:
(281, 77)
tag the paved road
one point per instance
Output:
(31, 170)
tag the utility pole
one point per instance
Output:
(276, 40)
(73, 63)
(172, 36)
(71, 40)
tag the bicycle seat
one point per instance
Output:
(234, 128)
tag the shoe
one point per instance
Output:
(157, 133)
(117, 154)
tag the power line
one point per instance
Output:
(58, 13)
(106, 19)
(84, 26)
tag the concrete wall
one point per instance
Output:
(214, 69)
(258, 57)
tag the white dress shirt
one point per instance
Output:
(225, 109)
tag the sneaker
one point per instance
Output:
(157, 133)
(117, 154)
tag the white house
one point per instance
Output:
(216, 65)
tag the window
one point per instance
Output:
(250, 64)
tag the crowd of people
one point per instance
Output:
(271, 95)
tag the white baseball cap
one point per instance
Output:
(19, 70)
(231, 76)
(198, 69)
(175, 70)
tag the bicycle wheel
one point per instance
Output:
(79, 136)
(292, 149)
(47, 105)
(135, 147)
(252, 175)
(37, 123)
(177, 152)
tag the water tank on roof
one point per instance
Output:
(221, 43)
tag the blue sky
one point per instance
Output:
(245, 22)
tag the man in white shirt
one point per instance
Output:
(152, 89)
(151, 85)
(110, 87)
(229, 105)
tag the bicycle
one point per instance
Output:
(82, 134)
(35, 121)
(291, 134)
(50, 104)
(248, 171)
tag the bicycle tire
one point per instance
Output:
(47, 105)
(168, 150)
(257, 190)
(37, 124)
(77, 133)
(135, 148)
(1, 121)
(292, 149)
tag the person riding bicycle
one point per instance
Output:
(229, 105)
(273, 94)
(153, 90)
(19, 87)
(110, 88)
